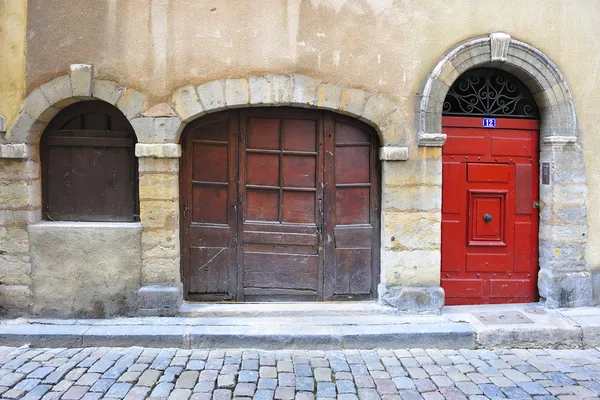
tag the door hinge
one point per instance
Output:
(536, 204)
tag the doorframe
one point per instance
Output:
(508, 124)
(326, 127)
(564, 278)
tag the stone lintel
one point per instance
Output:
(432, 139)
(160, 300)
(162, 150)
(19, 150)
(393, 153)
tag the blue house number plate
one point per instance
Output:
(489, 122)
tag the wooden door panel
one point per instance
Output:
(298, 207)
(299, 135)
(352, 205)
(353, 272)
(210, 204)
(209, 270)
(299, 171)
(208, 201)
(262, 205)
(352, 164)
(263, 169)
(351, 210)
(271, 270)
(262, 133)
(210, 162)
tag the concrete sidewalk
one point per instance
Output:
(320, 326)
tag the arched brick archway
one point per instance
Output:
(564, 280)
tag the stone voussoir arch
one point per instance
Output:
(44, 102)
(276, 90)
(537, 72)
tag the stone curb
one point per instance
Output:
(448, 336)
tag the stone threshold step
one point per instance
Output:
(292, 309)
(262, 336)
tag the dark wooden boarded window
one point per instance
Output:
(89, 169)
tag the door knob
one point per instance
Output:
(487, 217)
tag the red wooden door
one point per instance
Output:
(279, 204)
(489, 218)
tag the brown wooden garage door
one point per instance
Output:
(279, 205)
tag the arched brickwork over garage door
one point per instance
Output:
(564, 279)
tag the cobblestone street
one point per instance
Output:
(137, 373)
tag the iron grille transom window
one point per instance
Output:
(491, 92)
(89, 168)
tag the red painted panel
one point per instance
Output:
(524, 195)
(451, 180)
(487, 172)
(452, 242)
(477, 146)
(522, 247)
(486, 262)
(463, 287)
(511, 147)
(509, 288)
(491, 233)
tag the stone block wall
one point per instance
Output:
(20, 203)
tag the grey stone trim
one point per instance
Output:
(166, 150)
(559, 140)
(432, 139)
(412, 298)
(393, 153)
(19, 150)
(2, 124)
(160, 300)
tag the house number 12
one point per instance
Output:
(489, 122)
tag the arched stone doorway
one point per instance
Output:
(564, 280)
(279, 204)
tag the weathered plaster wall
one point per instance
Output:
(13, 17)
(73, 274)
(382, 46)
